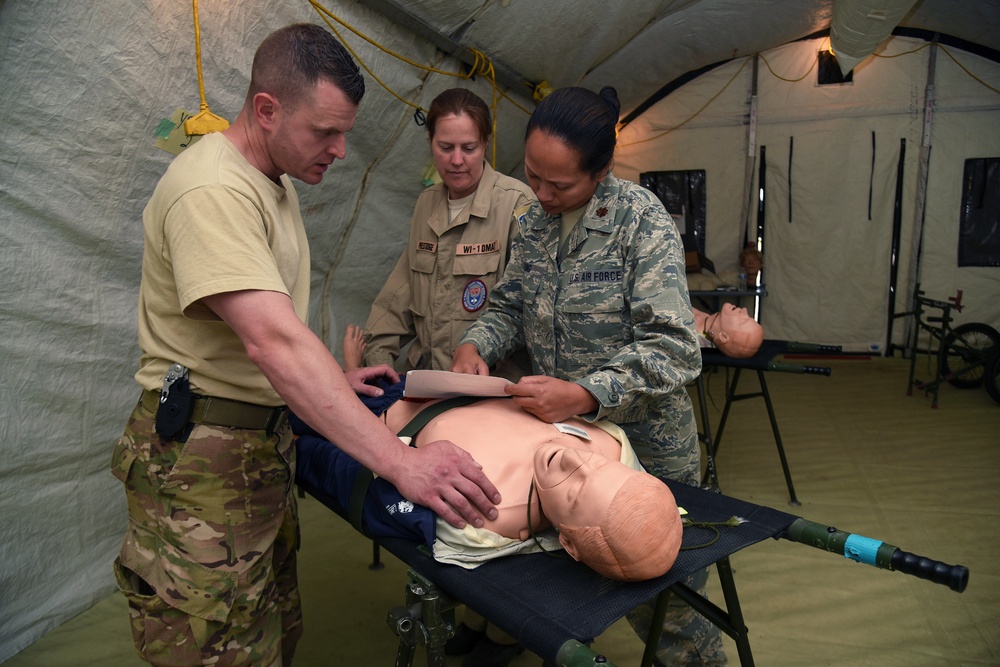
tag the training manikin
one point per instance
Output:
(613, 516)
(731, 330)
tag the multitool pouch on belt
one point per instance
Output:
(176, 400)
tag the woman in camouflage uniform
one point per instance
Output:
(596, 293)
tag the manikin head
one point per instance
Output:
(734, 332)
(621, 522)
(752, 261)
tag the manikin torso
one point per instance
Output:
(503, 438)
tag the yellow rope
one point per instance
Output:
(904, 53)
(482, 65)
(197, 56)
(777, 76)
(323, 12)
(947, 53)
(964, 69)
(204, 121)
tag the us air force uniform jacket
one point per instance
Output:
(614, 317)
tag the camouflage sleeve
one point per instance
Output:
(499, 331)
(664, 355)
(517, 215)
(390, 324)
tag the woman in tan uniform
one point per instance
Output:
(458, 245)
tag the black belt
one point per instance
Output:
(226, 412)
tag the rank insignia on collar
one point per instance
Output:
(601, 212)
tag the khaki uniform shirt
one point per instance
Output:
(441, 282)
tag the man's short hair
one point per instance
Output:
(291, 60)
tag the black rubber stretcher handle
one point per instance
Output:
(815, 348)
(876, 553)
(798, 368)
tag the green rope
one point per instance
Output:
(712, 526)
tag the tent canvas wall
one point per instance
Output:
(85, 85)
(832, 160)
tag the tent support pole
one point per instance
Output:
(761, 210)
(750, 160)
(919, 213)
(504, 74)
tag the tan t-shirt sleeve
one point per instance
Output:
(225, 251)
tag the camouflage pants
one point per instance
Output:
(688, 637)
(208, 560)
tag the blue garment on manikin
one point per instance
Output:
(329, 473)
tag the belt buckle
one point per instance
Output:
(278, 418)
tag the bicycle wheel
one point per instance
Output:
(992, 378)
(966, 351)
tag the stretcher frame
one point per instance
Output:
(761, 362)
(578, 604)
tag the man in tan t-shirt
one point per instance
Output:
(208, 560)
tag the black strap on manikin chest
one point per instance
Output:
(421, 419)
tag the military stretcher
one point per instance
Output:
(763, 361)
(555, 607)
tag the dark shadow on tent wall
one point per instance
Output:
(683, 194)
(828, 72)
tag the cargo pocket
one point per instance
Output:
(595, 322)
(421, 279)
(121, 460)
(155, 624)
(485, 265)
(148, 563)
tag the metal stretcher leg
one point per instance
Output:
(376, 563)
(428, 619)
(777, 440)
(710, 480)
(731, 397)
(731, 622)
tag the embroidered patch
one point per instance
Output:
(478, 248)
(474, 295)
(596, 276)
(427, 246)
(601, 212)
(402, 507)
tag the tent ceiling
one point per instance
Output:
(593, 42)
